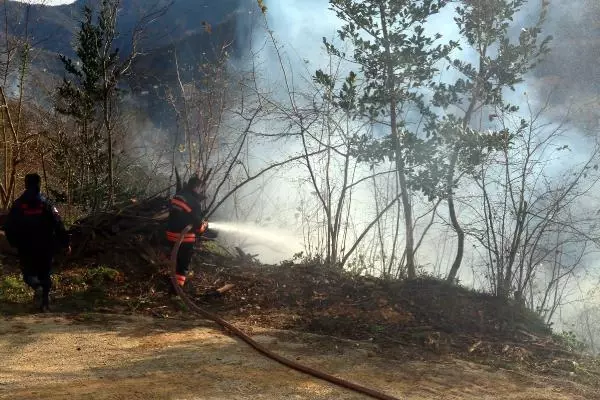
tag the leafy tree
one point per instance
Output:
(78, 97)
(502, 63)
(397, 61)
(90, 92)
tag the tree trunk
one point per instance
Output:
(407, 207)
(109, 135)
(400, 168)
(520, 226)
(460, 234)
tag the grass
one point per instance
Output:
(570, 341)
(82, 279)
(97, 276)
(80, 289)
(215, 248)
(14, 290)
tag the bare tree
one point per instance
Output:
(17, 133)
(222, 114)
(527, 220)
(587, 327)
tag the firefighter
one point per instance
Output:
(186, 209)
(34, 227)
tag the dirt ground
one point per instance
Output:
(103, 356)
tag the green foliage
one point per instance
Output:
(395, 56)
(484, 26)
(304, 259)
(570, 341)
(81, 94)
(98, 276)
(214, 247)
(377, 328)
(500, 65)
(13, 289)
(397, 62)
(88, 94)
(136, 181)
(473, 146)
(398, 72)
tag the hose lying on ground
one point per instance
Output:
(258, 347)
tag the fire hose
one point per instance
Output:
(257, 346)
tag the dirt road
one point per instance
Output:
(121, 357)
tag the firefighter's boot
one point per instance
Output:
(37, 296)
(45, 307)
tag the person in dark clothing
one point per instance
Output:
(186, 209)
(34, 227)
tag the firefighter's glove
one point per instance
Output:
(203, 227)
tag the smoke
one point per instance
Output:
(571, 73)
(301, 25)
(299, 28)
(569, 77)
(271, 244)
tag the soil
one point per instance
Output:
(103, 356)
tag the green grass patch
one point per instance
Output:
(98, 276)
(214, 247)
(570, 341)
(14, 290)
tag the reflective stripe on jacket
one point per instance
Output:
(34, 225)
(174, 237)
(185, 209)
(36, 209)
(180, 203)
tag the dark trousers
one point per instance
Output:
(37, 270)
(184, 258)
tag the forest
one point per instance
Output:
(427, 139)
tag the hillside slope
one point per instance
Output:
(179, 31)
(52, 28)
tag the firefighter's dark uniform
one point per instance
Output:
(186, 209)
(35, 228)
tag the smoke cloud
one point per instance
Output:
(571, 73)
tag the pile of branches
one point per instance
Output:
(133, 230)
(136, 228)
